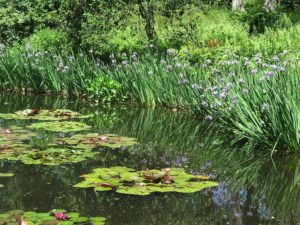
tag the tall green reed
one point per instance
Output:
(254, 98)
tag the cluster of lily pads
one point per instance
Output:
(54, 217)
(15, 141)
(94, 140)
(45, 115)
(127, 181)
(61, 126)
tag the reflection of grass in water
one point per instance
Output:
(272, 185)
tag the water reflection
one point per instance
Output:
(254, 189)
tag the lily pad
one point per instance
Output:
(63, 126)
(94, 140)
(15, 133)
(51, 156)
(5, 175)
(55, 156)
(127, 181)
(40, 114)
(30, 217)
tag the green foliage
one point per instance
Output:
(32, 217)
(113, 30)
(20, 19)
(126, 181)
(15, 21)
(95, 140)
(62, 126)
(105, 89)
(48, 39)
(42, 114)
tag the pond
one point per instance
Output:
(253, 188)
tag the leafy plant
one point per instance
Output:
(105, 89)
(127, 181)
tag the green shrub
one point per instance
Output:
(105, 89)
(121, 33)
(48, 39)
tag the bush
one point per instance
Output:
(122, 33)
(105, 89)
(48, 39)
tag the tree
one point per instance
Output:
(270, 5)
(238, 5)
(146, 9)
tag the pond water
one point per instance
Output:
(252, 189)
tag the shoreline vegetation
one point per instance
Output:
(254, 98)
(241, 74)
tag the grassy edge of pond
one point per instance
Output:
(254, 98)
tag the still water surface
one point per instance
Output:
(252, 190)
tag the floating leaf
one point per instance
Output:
(37, 114)
(36, 218)
(55, 156)
(127, 181)
(96, 140)
(6, 174)
(15, 134)
(63, 126)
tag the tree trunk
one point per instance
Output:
(147, 12)
(238, 5)
(270, 5)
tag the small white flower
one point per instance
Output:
(265, 106)
(209, 117)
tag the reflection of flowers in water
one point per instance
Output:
(221, 195)
(224, 197)
(262, 209)
(180, 161)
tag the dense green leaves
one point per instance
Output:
(40, 114)
(61, 126)
(37, 218)
(127, 181)
(97, 140)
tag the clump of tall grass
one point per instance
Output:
(255, 98)
(42, 71)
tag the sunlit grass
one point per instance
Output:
(255, 98)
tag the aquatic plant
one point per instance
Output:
(42, 114)
(15, 146)
(14, 133)
(48, 218)
(5, 175)
(51, 156)
(243, 95)
(61, 126)
(83, 141)
(127, 181)
(54, 156)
